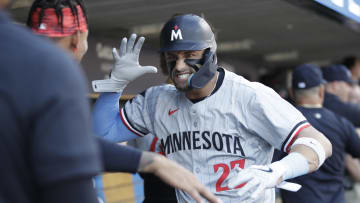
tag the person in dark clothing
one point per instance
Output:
(352, 174)
(337, 91)
(325, 184)
(44, 119)
(353, 64)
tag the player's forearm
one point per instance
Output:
(105, 113)
(353, 166)
(307, 154)
(312, 152)
(310, 156)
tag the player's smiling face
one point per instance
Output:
(179, 70)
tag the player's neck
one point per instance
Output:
(309, 103)
(314, 101)
(205, 91)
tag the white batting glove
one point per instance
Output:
(258, 178)
(126, 67)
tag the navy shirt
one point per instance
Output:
(45, 132)
(326, 184)
(348, 110)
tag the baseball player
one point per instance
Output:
(65, 22)
(217, 124)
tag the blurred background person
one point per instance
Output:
(337, 99)
(353, 64)
(325, 184)
(353, 164)
(337, 93)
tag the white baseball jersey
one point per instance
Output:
(213, 136)
(146, 143)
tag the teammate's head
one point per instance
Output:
(339, 81)
(353, 64)
(189, 46)
(308, 84)
(64, 21)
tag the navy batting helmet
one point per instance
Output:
(190, 32)
(187, 32)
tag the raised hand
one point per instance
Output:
(126, 66)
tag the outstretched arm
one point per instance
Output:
(106, 119)
(106, 115)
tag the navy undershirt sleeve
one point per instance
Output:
(119, 158)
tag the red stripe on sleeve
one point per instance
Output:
(128, 127)
(153, 144)
(294, 138)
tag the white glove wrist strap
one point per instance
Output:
(108, 85)
(295, 165)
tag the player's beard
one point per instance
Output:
(183, 86)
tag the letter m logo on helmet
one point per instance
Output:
(176, 33)
(195, 34)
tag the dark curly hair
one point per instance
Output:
(58, 5)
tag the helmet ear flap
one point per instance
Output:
(197, 63)
(206, 72)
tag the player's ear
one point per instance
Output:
(291, 93)
(334, 85)
(74, 42)
(321, 92)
